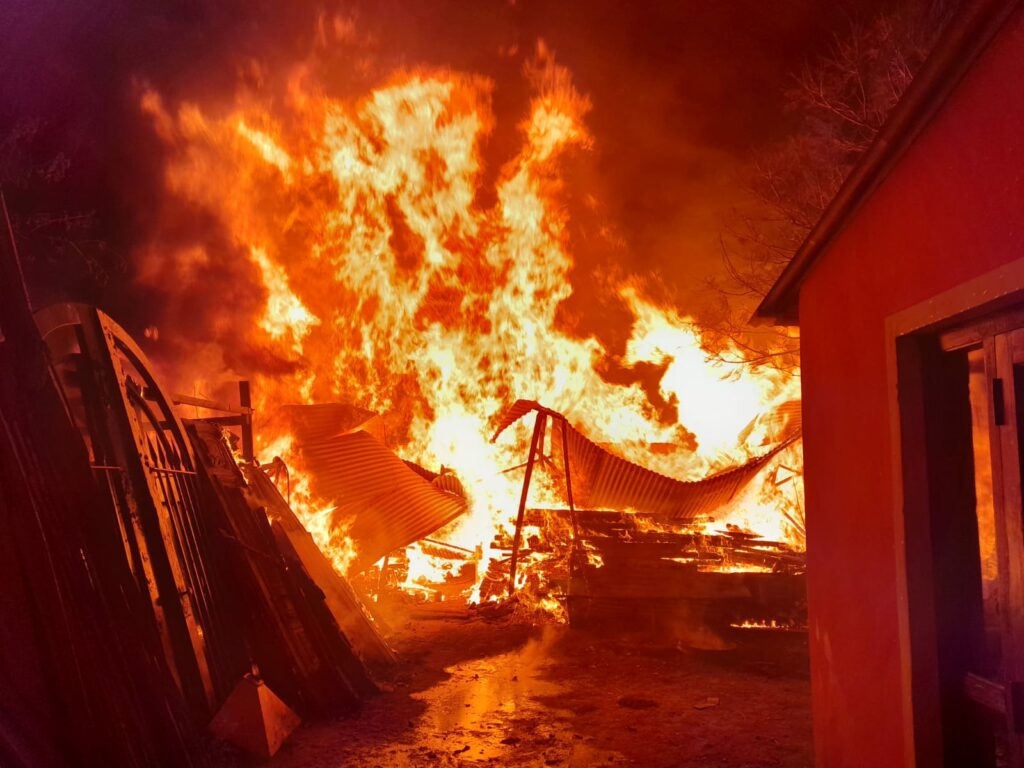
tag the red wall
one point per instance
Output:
(952, 209)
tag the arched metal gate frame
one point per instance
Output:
(139, 445)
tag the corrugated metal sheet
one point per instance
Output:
(602, 480)
(449, 483)
(423, 472)
(384, 503)
(314, 423)
(519, 409)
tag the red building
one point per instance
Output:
(909, 295)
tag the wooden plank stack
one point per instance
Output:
(647, 570)
(292, 635)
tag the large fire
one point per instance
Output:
(399, 279)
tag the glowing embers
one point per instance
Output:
(772, 625)
(652, 569)
(428, 570)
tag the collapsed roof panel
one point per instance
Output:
(383, 503)
(602, 480)
(322, 421)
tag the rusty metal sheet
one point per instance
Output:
(383, 503)
(602, 480)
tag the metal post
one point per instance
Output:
(574, 549)
(568, 481)
(538, 434)
(245, 400)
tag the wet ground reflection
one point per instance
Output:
(504, 693)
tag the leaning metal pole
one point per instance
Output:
(535, 443)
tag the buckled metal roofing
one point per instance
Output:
(320, 421)
(602, 480)
(383, 503)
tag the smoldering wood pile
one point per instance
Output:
(628, 566)
(143, 582)
(718, 577)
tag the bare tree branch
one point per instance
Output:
(841, 101)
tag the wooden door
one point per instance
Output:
(995, 677)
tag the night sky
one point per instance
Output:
(684, 93)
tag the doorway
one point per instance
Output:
(971, 406)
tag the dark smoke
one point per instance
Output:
(682, 94)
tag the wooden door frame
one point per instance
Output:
(993, 292)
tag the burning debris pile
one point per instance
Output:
(644, 537)
(629, 540)
(395, 274)
(233, 575)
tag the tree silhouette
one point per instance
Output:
(840, 101)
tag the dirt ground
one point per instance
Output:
(507, 692)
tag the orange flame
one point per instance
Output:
(395, 278)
